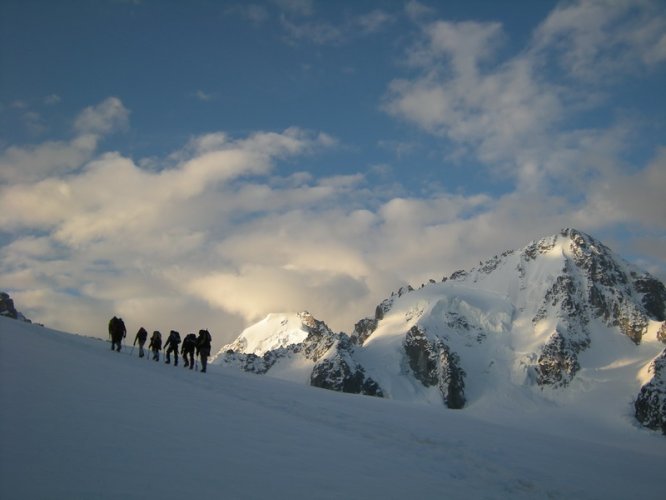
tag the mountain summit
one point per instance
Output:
(564, 319)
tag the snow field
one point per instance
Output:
(80, 421)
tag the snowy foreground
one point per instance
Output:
(80, 421)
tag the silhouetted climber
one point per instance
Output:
(189, 344)
(141, 337)
(156, 345)
(171, 346)
(203, 348)
(117, 332)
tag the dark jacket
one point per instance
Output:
(189, 343)
(156, 341)
(173, 341)
(203, 342)
(117, 329)
(141, 336)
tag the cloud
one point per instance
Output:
(373, 21)
(30, 163)
(203, 96)
(34, 122)
(214, 236)
(594, 39)
(417, 11)
(511, 113)
(631, 198)
(326, 33)
(23, 164)
(107, 116)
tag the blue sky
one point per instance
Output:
(210, 162)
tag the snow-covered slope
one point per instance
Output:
(563, 320)
(80, 421)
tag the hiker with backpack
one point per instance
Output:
(117, 332)
(171, 346)
(156, 345)
(189, 344)
(203, 348)
(141, 337)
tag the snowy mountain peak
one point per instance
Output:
(564, 313)
(275, 331)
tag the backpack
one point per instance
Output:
(205, 339)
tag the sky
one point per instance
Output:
(201, 164)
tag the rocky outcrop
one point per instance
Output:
(433, 363)
(338, 371)
(620, 296)
(8, 310)
(654, 296)
(558, 362)
(363, 329)
(650, 405)
(7, 306)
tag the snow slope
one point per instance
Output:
(80, 421)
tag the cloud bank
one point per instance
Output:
(217, 235)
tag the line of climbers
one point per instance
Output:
(191, 343)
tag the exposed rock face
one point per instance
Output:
(558, 362)
(433, 363)
(650, 404)
(619, 296)
(654, 296)
(7, 306)
(363, 329)
(340, 372)
(593, 284)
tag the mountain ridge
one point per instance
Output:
(535, 319)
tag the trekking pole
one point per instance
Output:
(132, 351)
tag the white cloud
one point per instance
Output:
(509, 113)
(107, 116)
(630, 198)
(595, 39)
(23, 164)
